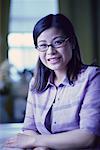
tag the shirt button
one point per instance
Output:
(55, 122)
(58, 99)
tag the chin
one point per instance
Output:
(55, 67)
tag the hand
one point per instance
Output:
(41, 148)
(6, 148)
(20, 141)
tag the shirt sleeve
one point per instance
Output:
(90, 112)
(29, 121)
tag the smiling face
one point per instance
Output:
(54, 58)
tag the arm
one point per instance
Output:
(75, 139)
(27, 137)
(32, 133)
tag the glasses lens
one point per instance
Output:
(42, 47)
(58, 42)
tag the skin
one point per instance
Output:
(61, 55)
(75, 139)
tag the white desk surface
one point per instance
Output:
(9, 130)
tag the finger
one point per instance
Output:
(12, 139)
(10, 144)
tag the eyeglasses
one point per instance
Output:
(56, 43)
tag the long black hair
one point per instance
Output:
(61, 22)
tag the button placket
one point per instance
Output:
(55, 104)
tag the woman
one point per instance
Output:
(63, 105)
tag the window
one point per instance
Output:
(22, 53)
(23, 16)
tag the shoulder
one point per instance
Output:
(93, 71)
(90, 71)
(31, 83)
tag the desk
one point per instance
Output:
(9, 130)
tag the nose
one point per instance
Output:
(51, 49)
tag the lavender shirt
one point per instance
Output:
(73, 106)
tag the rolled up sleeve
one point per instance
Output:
(29, 121)
(90, 112)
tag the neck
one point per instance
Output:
(59, 77)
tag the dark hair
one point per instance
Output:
(61, 22)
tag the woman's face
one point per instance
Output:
(54, 58)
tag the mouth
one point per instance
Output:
(54, 60)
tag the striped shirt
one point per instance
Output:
(70, 107)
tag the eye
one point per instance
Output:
(43, 45)
(58, 42)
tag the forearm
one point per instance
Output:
(30, 132)
(68, 140)
(33, 133)
(76, 139)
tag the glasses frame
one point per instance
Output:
(64, 38)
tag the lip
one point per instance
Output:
(53, 59)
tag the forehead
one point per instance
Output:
(50, 33)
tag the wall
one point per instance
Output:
(84, 15)
(4, 17)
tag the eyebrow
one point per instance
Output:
(53, 38)
(42, 41)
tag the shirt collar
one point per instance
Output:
(51, 81)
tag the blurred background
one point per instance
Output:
(17, 54)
